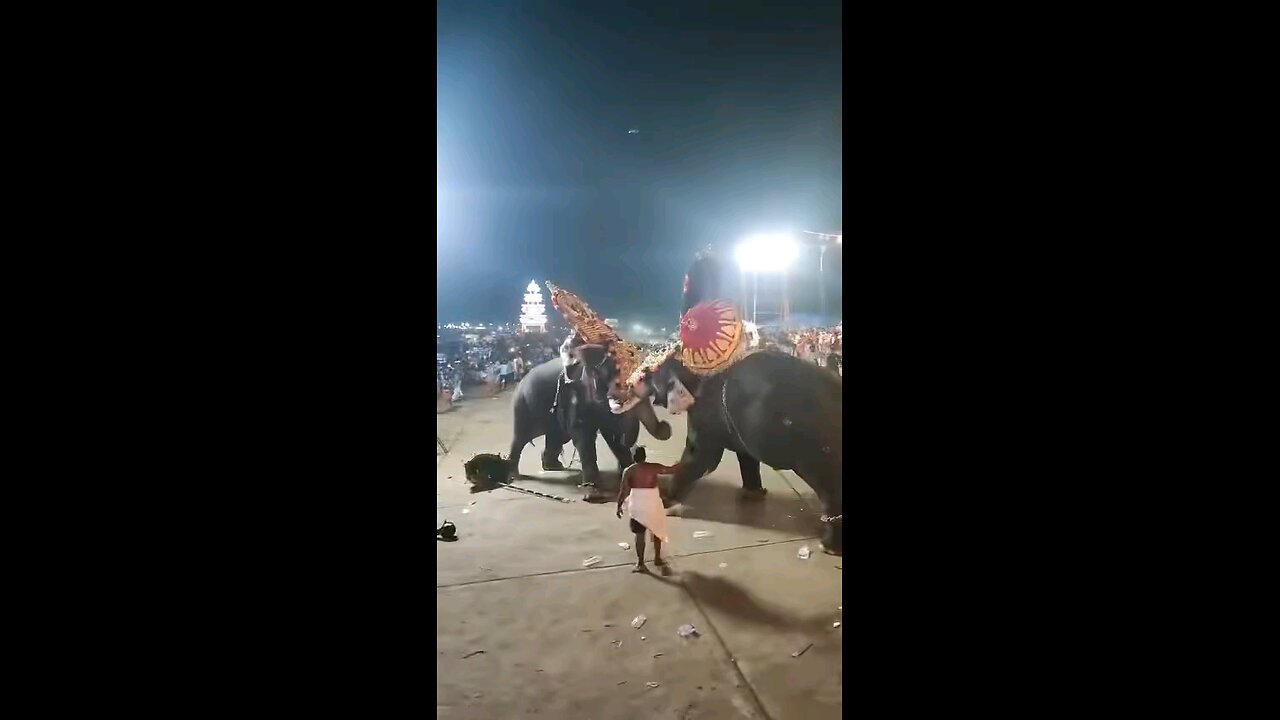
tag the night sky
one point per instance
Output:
(739, 110)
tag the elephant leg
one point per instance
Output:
(551, 453)
(619, 449)
(752, 488)
(585, 441)
(697, 461)
(524, 433)
(828, 484)
(513, 457)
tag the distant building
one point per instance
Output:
(533, 314)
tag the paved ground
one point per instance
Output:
(556, 637)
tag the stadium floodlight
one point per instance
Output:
(766, 253)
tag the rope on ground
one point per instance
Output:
(534, 492)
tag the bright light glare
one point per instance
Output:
(766, 253)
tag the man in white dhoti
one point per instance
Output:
(639, 488)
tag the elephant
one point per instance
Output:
(568, 400)
(768, 407)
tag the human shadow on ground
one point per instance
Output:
(721, 502)
(729, 597)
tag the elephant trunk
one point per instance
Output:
(644, 411)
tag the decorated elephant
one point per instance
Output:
(765, 406)
(581, 394)
(572, 404)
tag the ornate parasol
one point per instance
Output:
(711, 337)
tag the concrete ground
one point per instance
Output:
(523, 629)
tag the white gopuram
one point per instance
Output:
(533, 314)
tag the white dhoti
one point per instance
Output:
(644, 505)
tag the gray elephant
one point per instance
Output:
(768, 407)
(568, 400)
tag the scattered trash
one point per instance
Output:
(477, 652)
(840, 608)
(586, 629)
(699, 534)
(658, 655)
(625, 546)
(643, 637)
(593, 560)
(762, 539)
(638, 622)
(839, 568)
(687, 630)
(724, 565)
(651, 684)
(607, 625)
(466, 510)
(835, 624)
(800, 652)
(473, 502)
(616, 643)
(804, 553)
(622, 682)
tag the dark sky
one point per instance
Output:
(739, 110)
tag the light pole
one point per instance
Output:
(827, 240)
(765, 253)
(822, 281)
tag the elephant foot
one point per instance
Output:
(832, 542)
(755, 494)
(595, 496)
(553, 465)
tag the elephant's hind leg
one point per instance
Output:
(827, 482)
(752, 487)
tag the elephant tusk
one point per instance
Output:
(617, 409)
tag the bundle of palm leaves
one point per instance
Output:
(486, 472)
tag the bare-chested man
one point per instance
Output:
(639, 486)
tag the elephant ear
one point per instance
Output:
(711, 338)
(591, 355)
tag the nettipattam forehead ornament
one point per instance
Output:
(626, 357)
(593, 330)
(588, 324)
(650, 363)
(711, 337)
